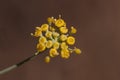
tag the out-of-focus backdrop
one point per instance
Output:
(98, 26)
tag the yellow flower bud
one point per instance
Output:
(50, 20)
(42, 39)
(48, 34)
(56, 45)
(52, 28)
(55, 34)
(65, 53)
(38, 32)
(73, 30)
(64, 45)
(70, 40)
(41, 47)
(59, 23)
(63, 37)
(47, 59)
(63, 30)
(77, 51)
(44, 27)
(53, 52)
(49, 44)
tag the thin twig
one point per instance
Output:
(10, 68)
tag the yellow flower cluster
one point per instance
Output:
(56, 37)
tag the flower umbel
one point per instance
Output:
(57, 38)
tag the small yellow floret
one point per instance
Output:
(38, 32)
(47, 59)
(63, 37)
(56, 45)
(50, 20)
(73, 30)
(65, 53)
(59, 23)
(52, 28)
(41, 47)
(77, 51)
(49, 44)
(63, 30)
(55, 34)
(44, 27)
(48, 34)
(64, 45)
(42, 39)
(70, 40)
(53, 52)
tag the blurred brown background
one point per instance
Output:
(98, 24)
